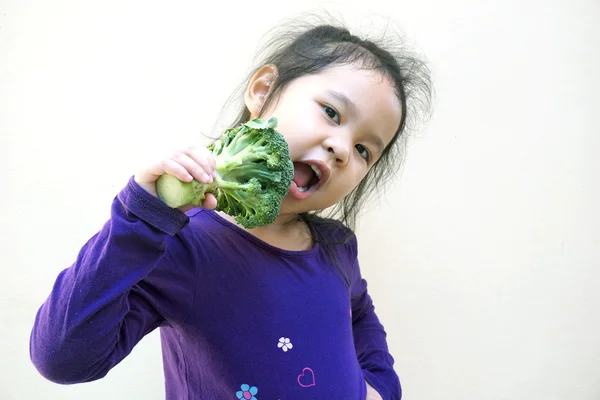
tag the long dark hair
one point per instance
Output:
(299, 48)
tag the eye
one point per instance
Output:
(363, 151)
(331, 113)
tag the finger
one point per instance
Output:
(196, 170)
(202, 157)
(173, 168)
(210, 201)
(213, 162)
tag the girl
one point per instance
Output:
(276, 312)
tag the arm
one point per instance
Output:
(106, 302)
(370, 342)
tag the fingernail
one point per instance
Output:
(207, 178)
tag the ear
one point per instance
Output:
(259, 89)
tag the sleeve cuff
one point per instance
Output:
(382, 387)
(152, 210)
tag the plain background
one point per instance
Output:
(483, 257)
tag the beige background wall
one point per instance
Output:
(483, 258)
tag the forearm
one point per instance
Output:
(95, 314)
(374, 357)
(370, 341)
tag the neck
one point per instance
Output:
(286, 219)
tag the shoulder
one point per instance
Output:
(206, 231)
(204, 222)
(334, 233)
(332, 229)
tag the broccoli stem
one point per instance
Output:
(226, 163)
(176, 193)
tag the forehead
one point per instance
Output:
(376, 103)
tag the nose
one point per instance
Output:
(337, 149)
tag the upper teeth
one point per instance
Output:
(316, 169)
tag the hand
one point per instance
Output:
(192, 163)
(372, 394)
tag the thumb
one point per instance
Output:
(210, 201)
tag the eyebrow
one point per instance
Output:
(341, 97)
(354, 109)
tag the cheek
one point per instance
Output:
(346, 183)
(297, 117)
(294, 142)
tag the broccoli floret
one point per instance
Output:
(254, 173)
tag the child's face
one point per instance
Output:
(341, 139)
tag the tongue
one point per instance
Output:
(303, 174)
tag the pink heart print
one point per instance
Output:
(307, 378)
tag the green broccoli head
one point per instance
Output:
(254, 173)
(249, 210)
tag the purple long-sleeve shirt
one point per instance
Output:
(238, 318)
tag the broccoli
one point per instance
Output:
(254, 173)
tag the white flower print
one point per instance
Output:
(284, 344)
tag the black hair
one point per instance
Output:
(300, 48)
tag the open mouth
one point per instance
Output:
(308, 177)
